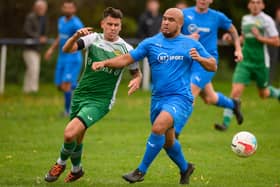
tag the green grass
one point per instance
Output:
(31, 134)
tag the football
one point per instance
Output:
(244, 144)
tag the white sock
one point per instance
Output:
(61, 162)
(76, 169)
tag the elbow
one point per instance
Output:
(65, 50)
(278, 43)
(212, 65)
(212, 68)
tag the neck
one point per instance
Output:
(111, 40)
(201, 10)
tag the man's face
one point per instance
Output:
(203, 4)
(255, 6)
(170, 24)
(277, 15)
(40, 8)
(68, 9)
(111, 28)
(153, 6)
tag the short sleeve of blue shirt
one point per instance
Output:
(140, 51)
(224, 21)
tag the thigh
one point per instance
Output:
(162, 123)
(179, 108)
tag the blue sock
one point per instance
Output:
(67, 101)
(153, 147)
(176, 154)
(224, 101)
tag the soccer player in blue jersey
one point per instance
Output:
(171, 56)
(68, 65)
(203, 24)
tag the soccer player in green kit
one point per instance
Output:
(258, 31)
(95, 94)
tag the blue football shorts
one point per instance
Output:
(179, 107)
(200, 77)
(68, 70)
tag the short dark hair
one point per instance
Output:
(70, 1)
(112, 12)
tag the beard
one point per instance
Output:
(170, 34)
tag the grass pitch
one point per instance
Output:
(31, 135)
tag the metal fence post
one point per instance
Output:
(3, 68)
(146, 75)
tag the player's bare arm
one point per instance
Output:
(273, 41)
(71, 44)
(135, 83)
(117, 62)
(50, 51)
(208, 63)
(236, 41)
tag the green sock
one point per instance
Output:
(228, 113)
(274, 92)
(67, 149)
(77, 155)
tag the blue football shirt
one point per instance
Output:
(207, 25)
(66, 28)
(170, 63)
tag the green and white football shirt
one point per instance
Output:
(101, 85)
(256, 53)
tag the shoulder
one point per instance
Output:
(77, 20)
(61, 18)
(188, 10)
(216, 12)
(266, 17)
(188, 39)
(153, 39)
(31, 15)
(127, 45)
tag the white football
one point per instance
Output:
(244, 144)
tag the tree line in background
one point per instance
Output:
(13, 12)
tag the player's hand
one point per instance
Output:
(255, 31)
(97, 66)
(195, 36)
(83, 32)
(43, 39)
(134, 85)
(227, 38)
(194, 54)
(48, 54)
(238, 56)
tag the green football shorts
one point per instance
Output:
(244, 74)
(89, 112)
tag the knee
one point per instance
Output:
(158, 129)
(208, 100)
(69, 136)
(264, 94)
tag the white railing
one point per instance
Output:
(4, 42)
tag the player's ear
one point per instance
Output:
(102, 23)
(263, 5)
